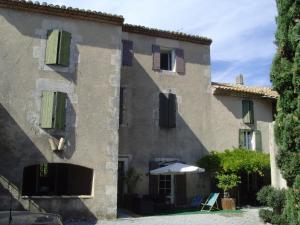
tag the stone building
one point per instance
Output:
(83, 96)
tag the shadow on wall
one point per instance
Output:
(142, 137)
(18, 151)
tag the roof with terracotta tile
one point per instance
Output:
(242, 90)
(166, 34)
(63, 11)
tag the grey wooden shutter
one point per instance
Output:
(60, 110)
(251, 112)
(180, 189)
(163, 111)
(64, 48)
(180, 63)
(258, 140)
(156, 57)
(47, 109)
(52, 47)
(127, 54)
(153, 180)
(172, 108)
(247, 111)
(241, 138)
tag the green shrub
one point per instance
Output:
(265, 215)
(227, 182)
(292, 208)
(272, 197)
(262, 195)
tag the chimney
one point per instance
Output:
(239, 80)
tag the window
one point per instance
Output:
(248, 113)
(250, 139)
(167, 60)
(53, 110)
(56, 179)
(165, 185)
(167, 110)
(58, 48)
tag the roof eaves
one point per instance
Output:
(63, 11)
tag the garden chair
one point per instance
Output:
(196, 202)
(210, 202)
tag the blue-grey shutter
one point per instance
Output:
(180, 63)
(156, 57)
(121, 105)
(60, 110)
(258, 140)
(163, 111)
(127, 54)
(248, 113)
(241, 138)
(153, 180)
(172, 108)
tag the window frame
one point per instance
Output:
(171, 59)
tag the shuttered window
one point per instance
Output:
(180, 63)
(248, 113)
(127, 54)
(58, 48)
(167, 110)
(53, 110)
(249, 139)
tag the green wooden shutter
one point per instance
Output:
(172, 110)
(248, 114)
(52, 47)
(64, 48)
(60, 110)
(47, 109)
(258, 140)
(241, 139)
(163, 111)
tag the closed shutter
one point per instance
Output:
(180, 63)
(127, 55)
(47, 109)
(163, 111)
(241, 138)
(60, 110)
(172, 110)
(153, 180)
(248, 114)
(52, 47)
(156, 57)
(121, 105)
(64, 48)
(258, 140)
(180, 189)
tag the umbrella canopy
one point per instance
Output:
(176, 168)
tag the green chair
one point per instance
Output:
(210, 202)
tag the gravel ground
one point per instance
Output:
(248, 217)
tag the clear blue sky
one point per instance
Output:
(242, 30)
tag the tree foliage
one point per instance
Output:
(292, 208)
(285, 76)
(227, 181)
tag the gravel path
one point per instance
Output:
(249, 217)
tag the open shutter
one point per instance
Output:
(241, 139)
(180, 189)
(251, 112)
(47, 109)
(163, 111)
(127, 54)
(156, 57)
(64, 48)
(60, 115)
(153, 180)
(172, 110)
(180, 63)
(52, 47)
(258, 140)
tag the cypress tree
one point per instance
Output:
(285, 76)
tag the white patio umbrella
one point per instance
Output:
(176, 169)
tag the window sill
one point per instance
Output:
(58, 197)
(168, 72)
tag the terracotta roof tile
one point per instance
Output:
(223, 88)
(64, 11)
(166, 34)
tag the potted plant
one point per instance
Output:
(227, 182)
(131, 178)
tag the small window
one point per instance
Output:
(250, 139)
(53, 110)
(58, 48)
(166, 60)
(57, 179)
(165, 185)
(248, 113)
